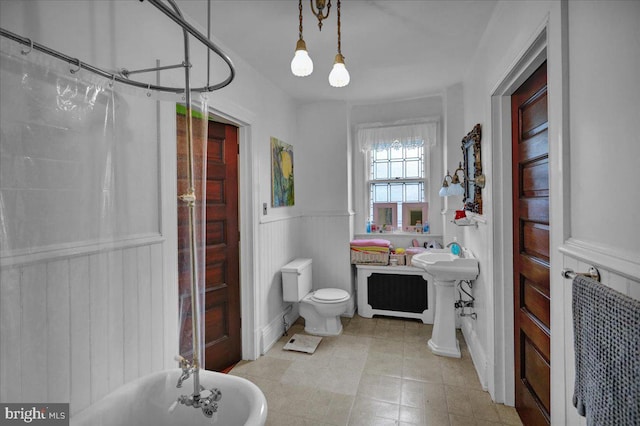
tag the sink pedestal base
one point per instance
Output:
(443, 340)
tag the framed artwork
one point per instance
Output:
(385, 215)
(282, 189)
(412, 213)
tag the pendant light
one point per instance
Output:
(301, 64)
(339, 76)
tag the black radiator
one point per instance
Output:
(403, 293)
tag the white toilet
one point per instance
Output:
(322, 308)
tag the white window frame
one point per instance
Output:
(362, 167)
(369, 181)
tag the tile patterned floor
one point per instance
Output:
(379, 371)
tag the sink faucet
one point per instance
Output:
(460, 252)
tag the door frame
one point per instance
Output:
(227, 112)
(550, 43)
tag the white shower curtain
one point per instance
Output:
(79, 165)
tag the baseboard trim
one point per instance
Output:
(275, 329)
(478, 356)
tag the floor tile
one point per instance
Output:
(508, 415)
(379, 371)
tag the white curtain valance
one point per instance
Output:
(397, 136)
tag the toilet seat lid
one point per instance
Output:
(328, 295)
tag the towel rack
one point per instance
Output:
(570, 274)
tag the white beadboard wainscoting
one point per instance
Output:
(278, 245)
(618, 271)
(75, 327)
(322, 237)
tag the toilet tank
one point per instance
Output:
(296, 280)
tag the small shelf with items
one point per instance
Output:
(465, 222)
(467, 218)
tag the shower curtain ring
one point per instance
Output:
(113, 80)
(26, 52)
(149, 90)
(78, 64)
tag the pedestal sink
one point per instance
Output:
(446, 269)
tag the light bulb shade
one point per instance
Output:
(456, 189)
(444, 191)
(339, 76)
(301, 64)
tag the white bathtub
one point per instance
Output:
(146, 401)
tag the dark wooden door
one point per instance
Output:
(221, 317)
(531, 248)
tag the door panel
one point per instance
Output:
(222, 294)
(537, 373)
(535, 240)
(535, 178)
(531, 249)
(221, 316)
(535, 301)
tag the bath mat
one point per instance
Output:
(303, 343)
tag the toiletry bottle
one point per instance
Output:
(368, 227)
(425, 229)
(455, 247)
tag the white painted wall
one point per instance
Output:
(605, 141)
(603, 94)
(324, 196)
(454, 131)
(508, 34)
(322, 157)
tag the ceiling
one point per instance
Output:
(393, 49)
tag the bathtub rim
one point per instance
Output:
(257, 414)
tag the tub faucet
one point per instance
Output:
(208, 404)
(186, 370)
(453, 243)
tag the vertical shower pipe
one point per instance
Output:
(190, 199)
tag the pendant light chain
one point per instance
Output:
(339, 43)
(300, 27)
(302, 65)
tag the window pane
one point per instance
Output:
(412, 192)
(396, 153)
(380, 193)
(387, 167)
(381, 155)
(396, 192)
(413, 169)
(412, 152)
(381, 171)
(396, 169)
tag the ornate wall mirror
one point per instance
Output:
(473, 177)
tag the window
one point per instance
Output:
(396, 175)
(396, 171)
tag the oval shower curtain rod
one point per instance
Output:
(159, 4)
